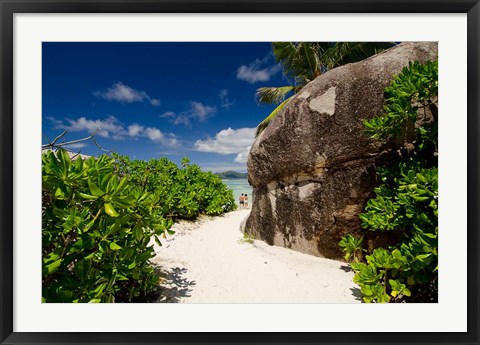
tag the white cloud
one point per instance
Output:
(225, 101)
(76, 145)
(135, 130)
(122, 93)
(155, 102)
(242, 156)
(168, 114)
(177, 119)
(107, 128)
(154, 134)
(54, 121)
(181, 120)
(201, 111)
(257, 71)
(112, 128)
(157, 136)
(197, 111)
(229, 141)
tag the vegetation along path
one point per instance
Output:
(212, 262)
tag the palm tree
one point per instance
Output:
(185, 161)
(304, 61)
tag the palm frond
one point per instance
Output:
(273, 95)
(291, 55)
(305, 63)
(264, 124)
(311, 57)
(284, 53)
(342, 53)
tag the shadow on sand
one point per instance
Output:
(356, 292)
(174, 285)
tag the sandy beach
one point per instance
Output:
(209, 262)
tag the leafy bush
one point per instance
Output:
(352, 246)
(99, 216)
(183, 193)
(406, 201)
(96, 232)
(416, 88)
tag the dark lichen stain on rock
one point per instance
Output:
(260, 223)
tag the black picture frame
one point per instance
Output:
(7, 10)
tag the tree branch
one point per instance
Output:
(54, 144)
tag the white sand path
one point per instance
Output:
(210, 264)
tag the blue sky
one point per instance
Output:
(154, 100)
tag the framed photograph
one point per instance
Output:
(239, 172)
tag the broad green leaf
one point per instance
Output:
(422, 257)
(94, 189)
(114, 246)
(88, 196)
(110, 210)
(59, 193)
(53, 267)
(121, 186)
(397, 254)
(105, 180)
(50, 257)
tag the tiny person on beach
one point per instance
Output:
(245, 203)
(241, 200)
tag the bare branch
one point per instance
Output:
(54, 144)
(101, 148)
(56, 139)
(75, 155)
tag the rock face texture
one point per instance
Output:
(313, 168)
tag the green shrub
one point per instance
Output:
(96, 232)
(352, 246)
(406, 201)
(99, 216)
(183, 193)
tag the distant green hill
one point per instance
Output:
(232, 175)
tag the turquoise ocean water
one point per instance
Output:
(239, 186)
